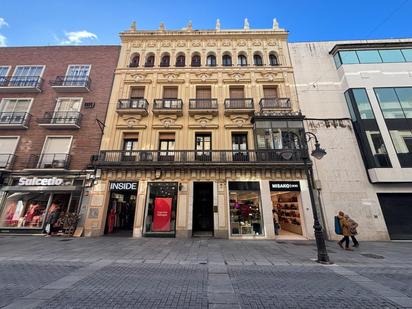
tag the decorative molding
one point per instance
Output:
(166, 44)
(196, 43)
(239, 121)
(226, 43)
(211, 43)
(181, 43)
(151, 43)
(257, 43)
(203, 122)
(242, 43)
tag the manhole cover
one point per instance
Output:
(65, 239)
(372, 256)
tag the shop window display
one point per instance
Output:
(121, 212)
(24, 210)
(245, 209)
(286, 206)
(161, 208)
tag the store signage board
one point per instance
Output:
(284, 186)
(162, 214)
(35, 181)
(123, 186)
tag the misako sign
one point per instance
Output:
(284, 186)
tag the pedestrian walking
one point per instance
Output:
(53, 217)
(345, 231)
(352, 230)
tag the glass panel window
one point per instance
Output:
(336, 58)
(245, 209)
(54, 152)
(391, 55)
(211, 61)
(203, 145)
(369, 56)
(239, 147)
(160, 214)
(7, 149)
(407, 53)
(405, 98)
(388, 101)
(227, 60)
(363, 104)
(24, 210)
(348, 57)
(15, 105)
(24, 71)
(348, 102)
(402, 140)
(378, 148)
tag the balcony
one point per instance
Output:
(132, 107)
(7, 161)
(168, 107)
(203, 106)
(70, 83)
(157, 158)
(239, 106)
(14, 120)
(49, 160)
(275, 104)
(19, 84)
(61, 120)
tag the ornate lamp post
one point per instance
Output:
(317, 153)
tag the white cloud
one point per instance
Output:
(3, 22)
(77, 37)
(2, 40)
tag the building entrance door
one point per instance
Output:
(203, 209)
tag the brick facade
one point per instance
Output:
(86, 140)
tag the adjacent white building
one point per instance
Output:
(357, 99)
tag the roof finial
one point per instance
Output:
(189, 26)
(218, 24)
(162, 26)
(133, 26)
(246, 25)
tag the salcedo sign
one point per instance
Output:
(123, 186)
(35, 181)
(284, 186)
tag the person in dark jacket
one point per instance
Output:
(53, 217)
(352, 230)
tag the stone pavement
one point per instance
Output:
(110, 272)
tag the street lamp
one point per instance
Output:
(318, 153)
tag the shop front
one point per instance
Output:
(27, 202)
(287, 209)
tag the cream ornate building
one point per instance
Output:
(200, 138)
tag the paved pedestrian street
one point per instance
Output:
(110, 272)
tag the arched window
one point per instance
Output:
(227, 60)
(150, 61)
(257, 59)
(165, 61)
(181, 60)
(273, 60)
(134, 63)
(211, 61)
(196, 60)
(242, 60)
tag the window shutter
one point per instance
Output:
(137, 93)
(170, 93)
(237, 93)
(203, 93)
(270, 92)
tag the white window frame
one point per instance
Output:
(12, 136)
(8, 69)
(57, 136)
(30, 104)
(73, 65)
(68, 98)
(29, 65)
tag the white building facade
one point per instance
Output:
(357, 99)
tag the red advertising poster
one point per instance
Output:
(162, 214)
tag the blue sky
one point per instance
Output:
(45, 22)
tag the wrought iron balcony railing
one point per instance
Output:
(7, 160)
(72, 83)
(132, 104)
(203, 104)
(274, 103)
(244, 103)
(168, 104)
(183, 157)
(49, 160)
(23, 83)
(62, 118)
(14, 119)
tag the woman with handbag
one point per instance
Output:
(345, 231)
(352, 230)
